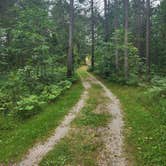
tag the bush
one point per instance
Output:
(24, 91)
(51, 92)
(158, 88)
(28, 106)
(6, 104)
(65, 84)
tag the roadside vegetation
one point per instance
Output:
(145, 122)
(16, 137)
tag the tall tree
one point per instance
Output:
(92, 34)
(70, 49)
(116, 27)
(138, 23)
(126, 5)
(148, 38)
(106, 21)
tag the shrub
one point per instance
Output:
(65, 84)
(28, 106)
(158, 88)
(51, 92)
(6, 104)
(24, 91)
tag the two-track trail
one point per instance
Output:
(112, 154)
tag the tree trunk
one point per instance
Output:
(126, 3)
(92, 34)
(138, 25)
(70, 49)
(116, 40)
(106, 29)
(147, 38)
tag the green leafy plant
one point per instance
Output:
(28, 106)
(51, 92)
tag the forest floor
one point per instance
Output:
(91, 133)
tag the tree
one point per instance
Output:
(106, 21)
(138, 22)
(92, 34)
(70, 49)
(148, 39)
(116, 27)
(126, 4)
(158, 38)
(5, 5)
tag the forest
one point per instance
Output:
(83, 82)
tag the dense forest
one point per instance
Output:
(43, 46)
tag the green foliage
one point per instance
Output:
(92, 119)
(105, 60)
(28, 106)
(79, 147)
(88, 116)
(155, 96)
(6, 103)
(158, 88)
(65, 84)
(25, 90)
(22, 135)
(158, 38)
(51, 92)
(145, 124)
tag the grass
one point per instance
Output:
(83, 144)
(78, 148)
(15, 143)
(82, 72)
(145, 125)
(90, 118)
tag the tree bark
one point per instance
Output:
(92, 34)
(70, 48)
(106, 29)
(138, 25)
(126, 4)
(148, 39)
(116, 40)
